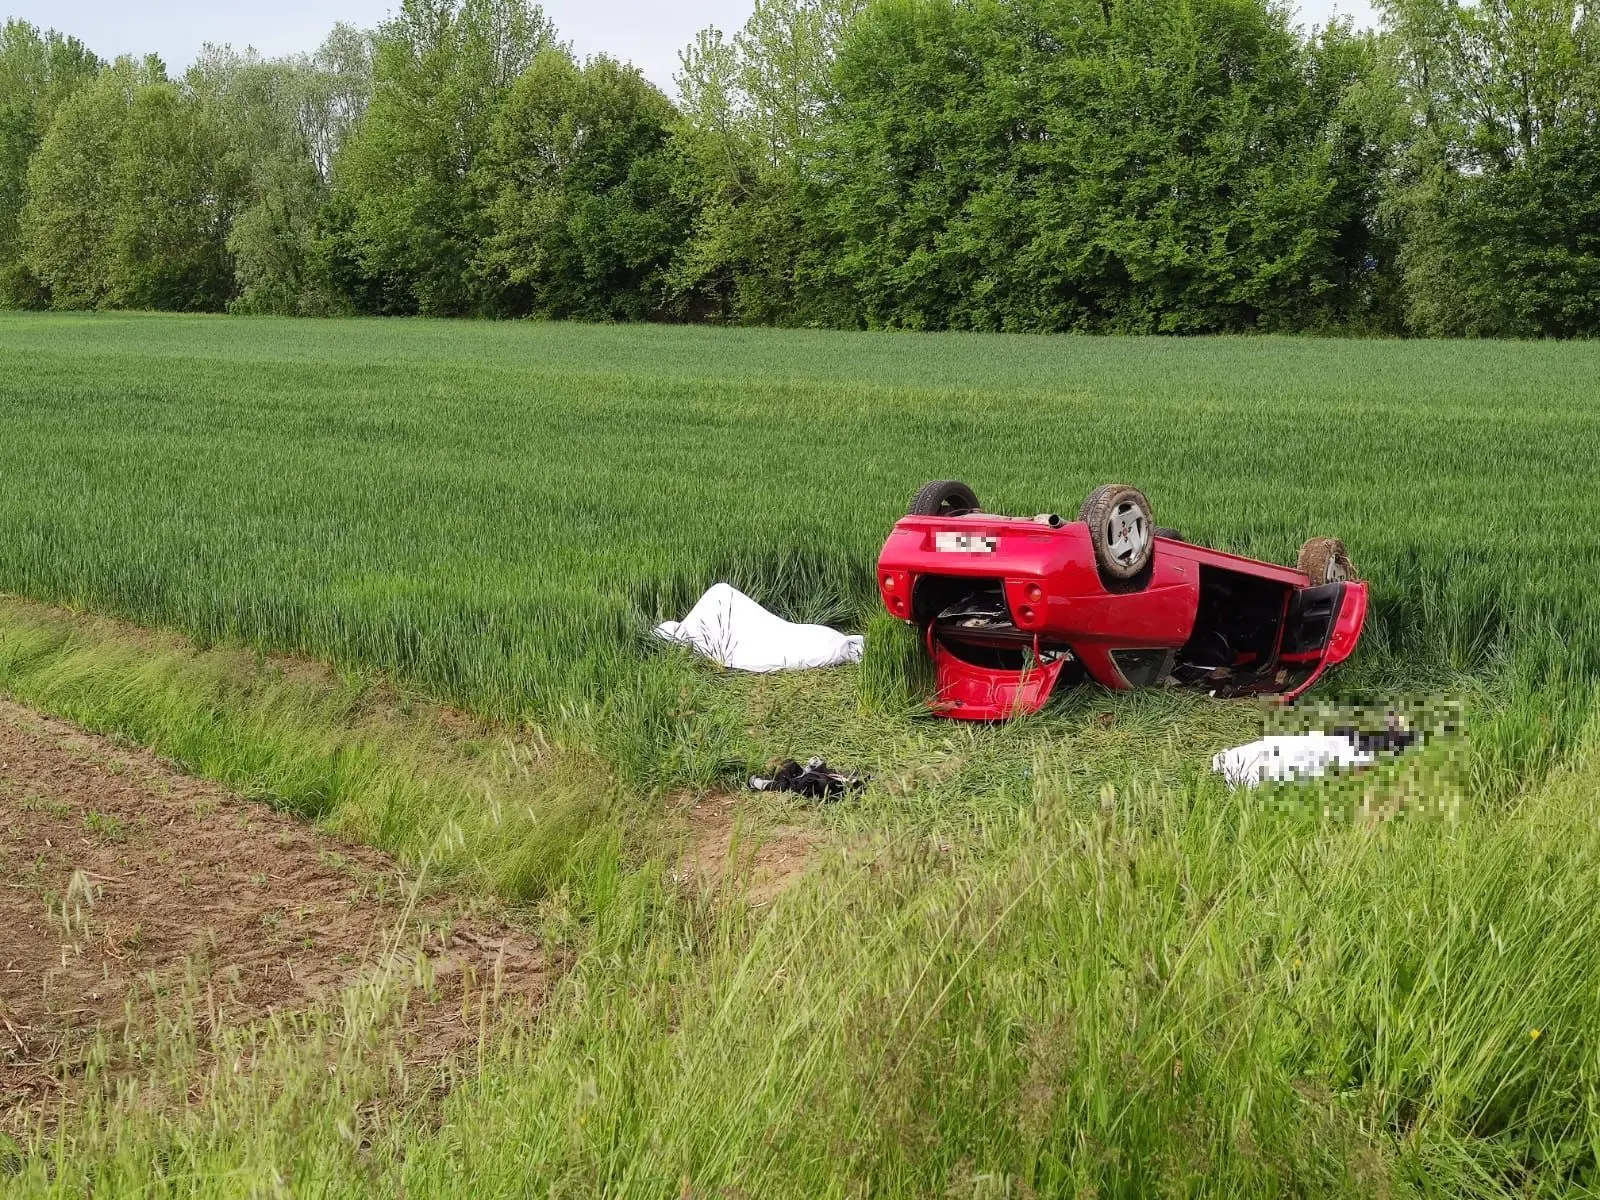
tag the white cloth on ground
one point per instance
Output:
(727, 626)
(1287, 757)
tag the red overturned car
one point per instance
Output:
(1009, 606)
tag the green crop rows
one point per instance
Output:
(1058, 958)
(497, 512)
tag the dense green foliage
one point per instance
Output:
(1053, 956)
(37, 75)
(585, 216)
(1182, 166)
(1103, 167)
(1497, 194)
(409, 185)
(285, 124)
(131, 198)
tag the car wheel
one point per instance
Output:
(944, 498)
(1325, 560)
(1121, 528)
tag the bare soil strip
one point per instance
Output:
(120, 876)
(724, 844)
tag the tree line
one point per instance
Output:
(1180, 166)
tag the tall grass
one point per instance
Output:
(485, 809)
(1135, 984)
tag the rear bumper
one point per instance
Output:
(972, 693)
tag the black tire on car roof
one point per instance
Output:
(944, 498)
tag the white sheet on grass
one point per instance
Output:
(727, 626)
(1287, 757)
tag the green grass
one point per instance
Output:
(497, 512)
(1053, 957)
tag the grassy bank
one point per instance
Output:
(486, 808)
(1104, 973)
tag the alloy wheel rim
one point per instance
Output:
(1128, 533)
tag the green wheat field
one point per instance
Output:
(1055, 957)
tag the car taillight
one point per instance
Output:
(896, 592)
(1035, 593)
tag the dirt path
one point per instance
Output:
(120, 876)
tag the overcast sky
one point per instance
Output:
(648, 33)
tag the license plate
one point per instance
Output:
(965, 543)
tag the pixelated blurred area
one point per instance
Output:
(1417, 758)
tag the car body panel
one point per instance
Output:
(970, 692)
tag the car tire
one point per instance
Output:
(1122, 529)
(944, 498)
(1325, 560)
(1172, 535)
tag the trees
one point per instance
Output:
(754, 107)
(38, 73)
(411, 219)
(70, 217)
(285, 123)
(193, 195)
(130, 198)
(584, 215)
(1139, 165)
(176, 190)
(1497, 200)
(1143, 165)
(1512, 251)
